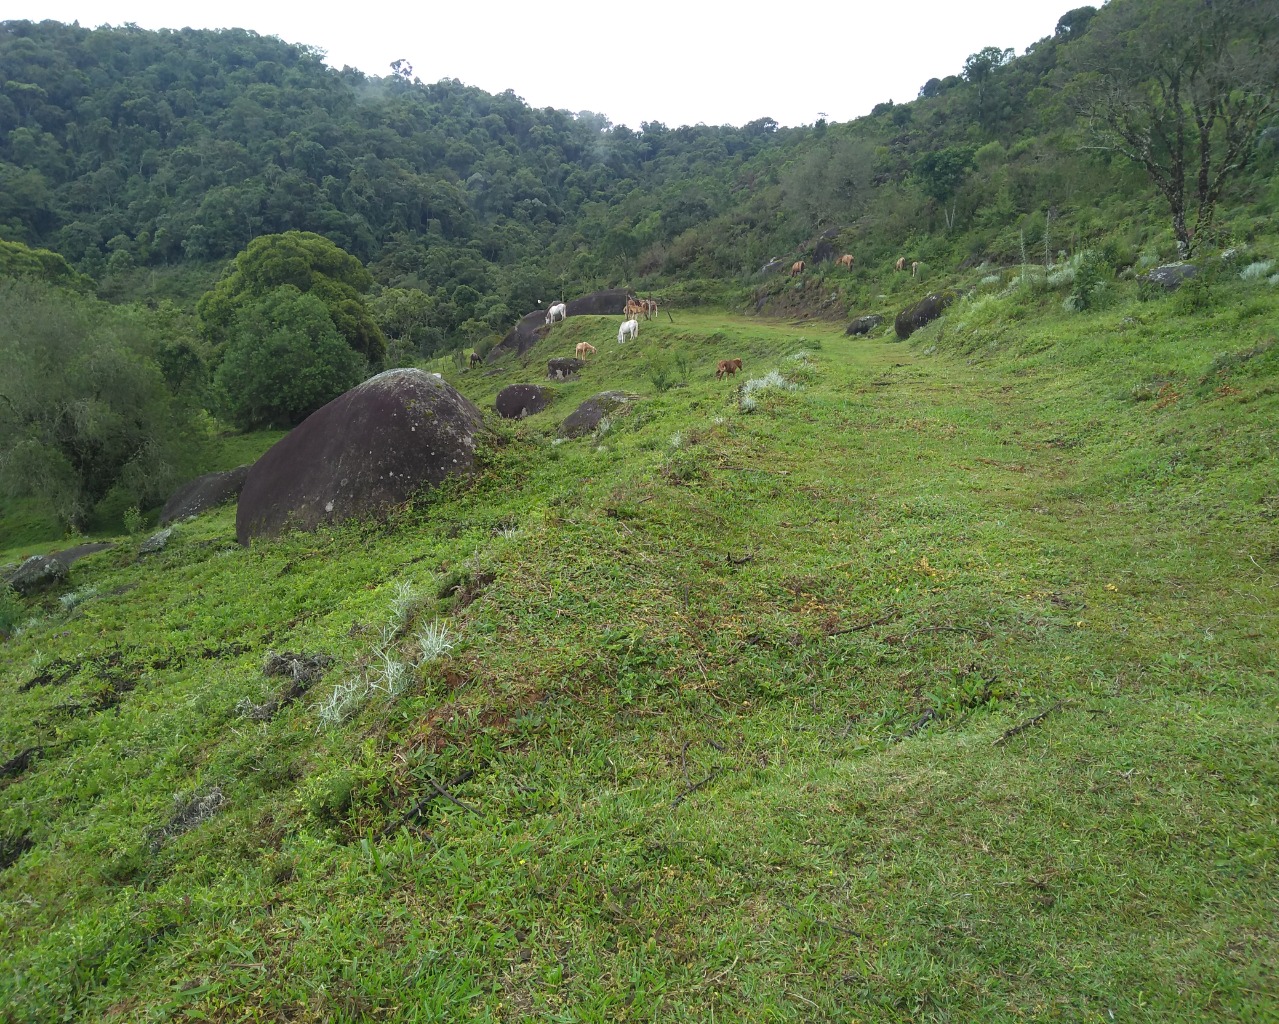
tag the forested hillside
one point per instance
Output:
(200, 182)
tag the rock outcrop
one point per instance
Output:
(361, 455)
(587, 416)
(203, 493)
(926, 310)
(516, 401)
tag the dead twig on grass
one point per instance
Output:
(416, 810)
(858, 627)
(690, 790)
(1030, 723)
(980, 634)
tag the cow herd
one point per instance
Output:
(628, 331)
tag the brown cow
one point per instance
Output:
(650, 308)
(847, 260)
(900, 264)
(797, 268)
(633, 309)
(584, 347)
(727, 367)
(476, 358)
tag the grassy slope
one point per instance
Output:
(720, 731)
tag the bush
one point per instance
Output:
(85, 407)
(283, 361)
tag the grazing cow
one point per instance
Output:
(630, 329)
(727, 367)
(914, 269)
(846, 261)
(900, 264)
(475, 358)
(557, 312)
(583, 347)
(797, 268)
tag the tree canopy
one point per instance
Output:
(309, 263)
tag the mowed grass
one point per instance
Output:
(939, 687)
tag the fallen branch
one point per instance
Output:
(689, 791)
(1030, 723)
(863, 625)
(416, 810)
(980, 634)
(915, 726)
(450, 797)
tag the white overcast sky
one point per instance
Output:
(679, 63)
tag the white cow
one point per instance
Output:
(630, 329)
(556, 313)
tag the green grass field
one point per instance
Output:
(939, 685)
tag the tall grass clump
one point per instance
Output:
(747, 400)
(11, 611)
(1256, 271)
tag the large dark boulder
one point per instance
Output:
(361, 455)
(203, 493)
(824, 251)
(864, 324)
(586, 417)
(1170, 277)
(563, 369)
(609, 302)
(926, 310)
(532, 327)
(516, 401)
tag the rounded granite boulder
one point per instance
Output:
(361, 455)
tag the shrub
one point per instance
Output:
(283, 361)
(1255, 271)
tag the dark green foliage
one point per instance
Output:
(283, 360)
(308, 263)
(83, 404)
(18, 260)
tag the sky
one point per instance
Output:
(677, 63)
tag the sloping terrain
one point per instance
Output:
(929, 682)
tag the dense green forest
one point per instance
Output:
(141, 165)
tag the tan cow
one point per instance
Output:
(797, 268)
(633, 310)
(476, 359)
(847, 260)
(914, 269)
(900, 264)
(583, 348)
(727, 367)
(650, 308)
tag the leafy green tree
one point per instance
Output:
(18, 260)
(83, 407)
(283, 359)
(1182, 89)
(405, 316)
(979, 69)
(941, 172)
(310, 263)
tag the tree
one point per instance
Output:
(941, 172)
(83, 408)
(1073, 24)
(978, 69)
(1181, 89)
(283, 360)
(311, 264)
